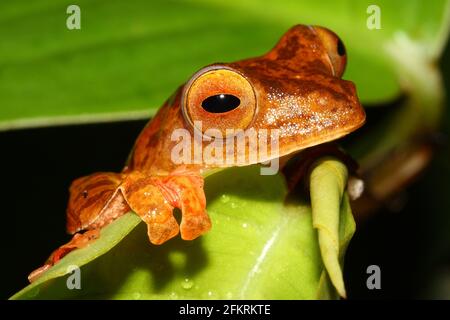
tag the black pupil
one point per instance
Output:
(221, 103)
(340, 48)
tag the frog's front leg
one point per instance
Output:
(153, 198)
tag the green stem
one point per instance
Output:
(328, 180)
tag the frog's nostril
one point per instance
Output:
(221, 103)
(340, 48)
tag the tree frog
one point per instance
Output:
(295, 88)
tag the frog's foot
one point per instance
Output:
(79, 240)
(184, 190)
(153, 198)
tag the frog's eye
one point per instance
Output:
(335, 49)
(219, 98)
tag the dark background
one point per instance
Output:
(411, 245)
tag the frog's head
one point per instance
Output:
(293, 96)
(295, 88)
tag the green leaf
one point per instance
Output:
(328, 181)
(111, 235)
(129, 56)
(260, 247)
(412, 39)
(347, 227)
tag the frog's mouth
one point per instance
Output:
(284, 149)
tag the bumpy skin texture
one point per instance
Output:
(295, 88)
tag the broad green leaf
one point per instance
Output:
(129, 56)
(111, 235)
(259, 248)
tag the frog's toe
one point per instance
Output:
(193, 226)
(33, 276)
(159, 231)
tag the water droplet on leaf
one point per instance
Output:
(173, 296)
(224, 198)
(187, 284)
(136, 295)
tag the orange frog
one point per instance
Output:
(296, 88)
